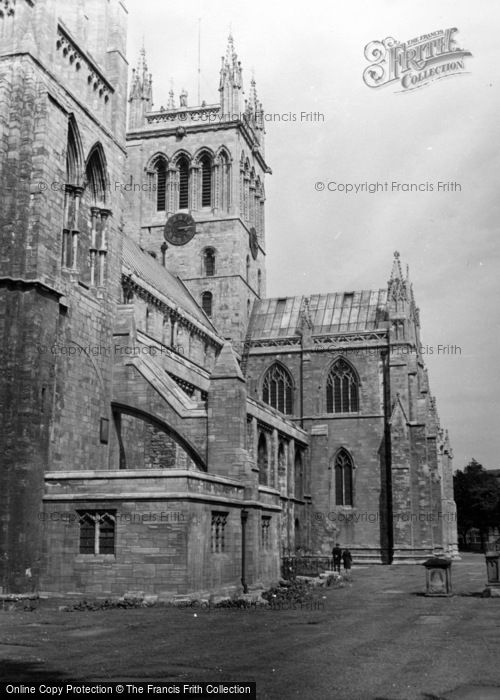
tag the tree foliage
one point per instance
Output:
(477, 495)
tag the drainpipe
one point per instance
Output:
(302, 383)
(386, 359)
(244, 518)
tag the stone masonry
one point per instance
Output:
(166, 428)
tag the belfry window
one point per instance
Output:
(277, 389)
(225, 182)
(206, 181)
(161, 184)
(343, 479)
(183, 167)
(342, 390)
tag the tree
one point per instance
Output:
(477, 495)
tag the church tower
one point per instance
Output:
(196, 192)
(63, 77)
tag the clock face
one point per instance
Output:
(254, 243)
(179, 229)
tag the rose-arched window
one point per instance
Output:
(343, 478)
(342, 389)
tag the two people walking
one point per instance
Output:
(338, 555)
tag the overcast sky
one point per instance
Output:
(309, 57)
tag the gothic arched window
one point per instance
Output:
(72, 198)
(277, 389)
(209, 262)
(206, 303)
(183, 167)
(343, 478)
(206, 181)
(225, 181)
(95, 173)
(160, 168)
(342, 389)
(94, 246)
(73, 160)
(262, 459)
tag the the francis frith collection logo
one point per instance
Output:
(416, 62)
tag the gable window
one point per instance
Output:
(343, 479)
(277, 389)
(342, 389)
(97, 532)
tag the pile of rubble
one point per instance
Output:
(138, 599)
(326, 579)
(299, 590)
(19, 601)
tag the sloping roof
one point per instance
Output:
(339, 312)
(144, 267)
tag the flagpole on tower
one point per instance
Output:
(199, 60)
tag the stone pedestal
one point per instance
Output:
(492, 589)
(438, 577)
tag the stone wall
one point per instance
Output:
(362, 527)
(163, 543)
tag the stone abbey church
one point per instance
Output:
(165, 426)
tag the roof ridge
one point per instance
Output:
(140, 263)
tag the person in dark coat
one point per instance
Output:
(347, 559)
(337, 556)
